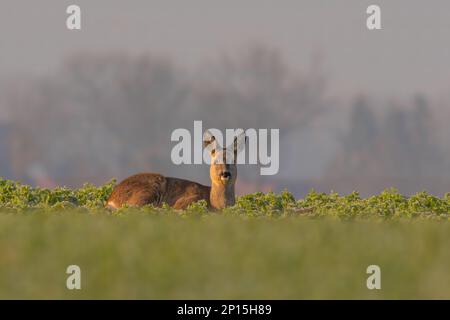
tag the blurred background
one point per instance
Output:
(357, 109)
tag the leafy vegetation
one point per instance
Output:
(268, 246)
(15, 197)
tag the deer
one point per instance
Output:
(155, 189)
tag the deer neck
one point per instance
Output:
(221, 196)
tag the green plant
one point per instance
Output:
(389, 204)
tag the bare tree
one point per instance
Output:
(257, 89)
(99, 115)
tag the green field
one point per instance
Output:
(266, 247)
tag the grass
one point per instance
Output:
(267, 246)
(217, 256)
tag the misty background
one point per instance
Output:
(357, 109)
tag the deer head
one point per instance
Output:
(223, 171)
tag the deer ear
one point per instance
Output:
(239, 143)
(209, 142)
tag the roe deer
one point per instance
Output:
(152, 188)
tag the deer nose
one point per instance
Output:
(226, 174)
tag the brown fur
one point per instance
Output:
(152, 188)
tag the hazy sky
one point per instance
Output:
(411, 53)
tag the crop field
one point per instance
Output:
(268, 246)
